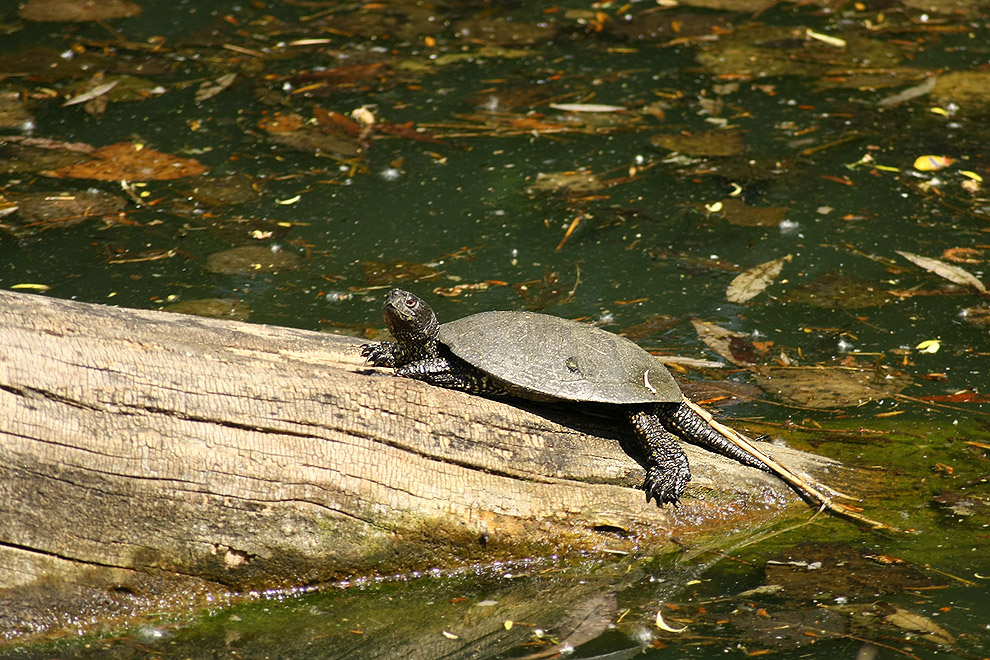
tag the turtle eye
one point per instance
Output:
(410, 302)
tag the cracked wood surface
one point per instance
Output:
(154, 460)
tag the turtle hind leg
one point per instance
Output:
(691, 427)
(667, 469)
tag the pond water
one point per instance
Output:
(794, 194)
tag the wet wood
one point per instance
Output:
(155, 460)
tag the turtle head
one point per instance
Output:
(410, 320)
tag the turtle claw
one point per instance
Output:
(381, 354)
(665, 483)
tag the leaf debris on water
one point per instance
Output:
(954, 274)
(663, 625)
(752, 282)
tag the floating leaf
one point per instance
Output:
(580, 182)
(587, 107)
(251, 260)
(932, 163)
(651, 325)
(706, 143)
(71, 11)
(293, 131)
(741, 214)
(833, 290)
(132, 162)
(970, 90)
(929, 346)
(211, 88)
(765, 51)
(92, 93)
(825, 38)
(751, 283)
(952, 273)
(830, 387)
(100, 90)
(666, 627)
(220, 191)
(733, 346)
(216, 308)
(915, 623)
(66, 208)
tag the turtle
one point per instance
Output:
(546, 358)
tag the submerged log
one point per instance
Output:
(154, 460)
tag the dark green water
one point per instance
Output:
(460, 210)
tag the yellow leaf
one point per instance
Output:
(932, 163)
(929, 346)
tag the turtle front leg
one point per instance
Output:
(667, 469)
(691, 427)
(451, 373)
(382, 354)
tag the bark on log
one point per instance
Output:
(151, 459)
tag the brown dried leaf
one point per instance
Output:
(833, 290)
(579, 182)
(830, 387)
(743, 215)
(968, 89)
(251, 260)
(132, 162)
(72, 11)
(214, 308)
(751, 283)
(221, 191)
(915, 623)
(90, 93)
(733, 346)
(66, 208)
(706, 143)
(761, 51)
(292, 131)
(952, 273)
(651, 325)
(210, 88)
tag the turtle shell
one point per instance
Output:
(542, 357)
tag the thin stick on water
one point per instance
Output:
(814, 492)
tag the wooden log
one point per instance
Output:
(154, 460)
